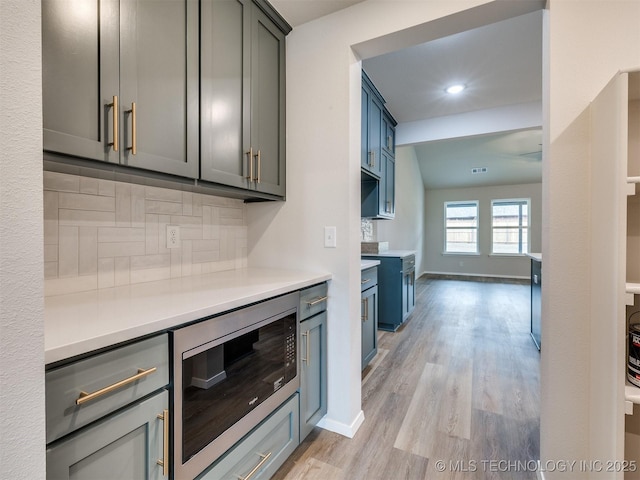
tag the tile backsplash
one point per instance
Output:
(103, 233)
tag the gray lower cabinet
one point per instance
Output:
(313, 354)
(107, 415)
(127, 445)
(396, 288)
(120, 82)
(536, 302)
(263, 450)
(242, 97)
(369, 315)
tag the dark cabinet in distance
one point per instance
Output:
(369, 314)
(396, 288)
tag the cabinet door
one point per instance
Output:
(80, 77)
(369, 317)
(375, 136)
(313, 379)
(365, 157)
(386, 198)
(225, 54)
(126, 445)
(389, 134)
(268, 104)
(159, 74)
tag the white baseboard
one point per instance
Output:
(343, 429)
(459, 274)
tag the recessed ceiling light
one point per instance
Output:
(453, 89)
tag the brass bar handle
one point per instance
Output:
(87, 397)
(306, 337)
(263, 460)
(387, 207)
(364, 309)
(372, 158)
(116, 114)
(259, 166)
(250, 159)
(389, 142)
(366, 280)
(164, 463)
(317, 301)
(134, 143)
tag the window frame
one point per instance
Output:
(470, 203)
(513, 201)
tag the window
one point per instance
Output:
(461, 227)
(510, 226)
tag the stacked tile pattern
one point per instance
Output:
(103, 233)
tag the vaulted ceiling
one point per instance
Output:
(501, 66)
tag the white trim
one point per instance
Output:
(461, 274)
(508, 255)
(462, 254)
(348, 431)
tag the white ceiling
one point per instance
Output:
(297, 12)
(500, 63)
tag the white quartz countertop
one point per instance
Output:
(390, 253)
(81, 322)
(364, 264)
(535, 256)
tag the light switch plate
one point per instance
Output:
(330, 237)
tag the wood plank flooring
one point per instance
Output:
(458, 383)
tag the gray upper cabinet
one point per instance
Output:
(242, 124)
(120, 82)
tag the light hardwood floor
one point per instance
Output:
(456, 388)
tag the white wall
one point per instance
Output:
(483, 264)
(323, 161)
(406, 230)
(323, 171)
(22, 430)
(588, 43)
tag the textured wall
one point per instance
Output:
(102, 233)
(22, 439)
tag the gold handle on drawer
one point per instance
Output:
(372, 158)
(164, 463)
(86, 397)
(366, 280)
(133, 147)
(250, 158)
(258, 166)
(263, 460)
(116, 113)
(316, 301)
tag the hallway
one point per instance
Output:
(453, 394)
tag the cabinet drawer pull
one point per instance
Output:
(86, 397)
(365, 317)
(164, 463)
(116, 113)
(366, 280)
(316, 301)
(372, 158)
(264, 458)
(134, 143)
(249, 155)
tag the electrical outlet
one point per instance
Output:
(330, 237)
(173, 236)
